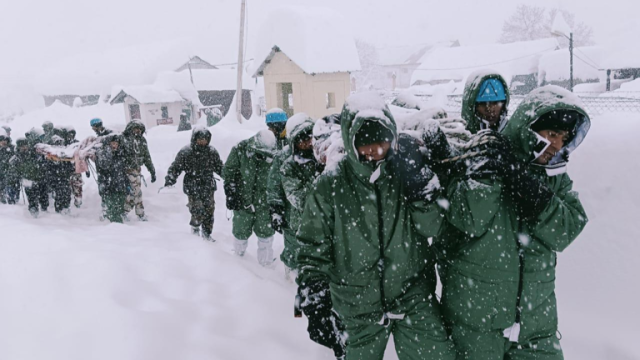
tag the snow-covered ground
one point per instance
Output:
(77, 288)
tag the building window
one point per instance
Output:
(330, 99)
(134, 111)
(165, 112)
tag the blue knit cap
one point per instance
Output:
(491, 90)
(276, 116)
(96, 121)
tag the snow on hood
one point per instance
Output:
(200, 131)
(266, 139)
(539, 102)
(294, 124)
(358, 108)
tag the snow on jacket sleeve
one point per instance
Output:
(231, 173)
(473, 203)
(275, 192)
(563, 219)
(147, 160)
(315, 235)
(218, 165)
(177, 167)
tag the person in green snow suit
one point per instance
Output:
(113, 184)
(136, 153)
(29, 168)
(9, 185)
(199, 162)
(485, 101)
(289, 186)
(510, 215)
(364, 248)
(246, 190)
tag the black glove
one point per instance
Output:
(438, 148)
(529, 194)
(325, 328)
(153, 178)
(410, 165)
(278, 222)
(88, 174)
(168, 181)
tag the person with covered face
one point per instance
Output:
(364, 249)
(29, 168)
(288, 187)
(245, 186)
(485, 101)
(511, 213)
(137, 154)
(199, 161)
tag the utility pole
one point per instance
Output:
(240, 64)
(571, 60)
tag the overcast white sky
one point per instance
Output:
(34, 33)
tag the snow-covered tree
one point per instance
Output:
(531, 22)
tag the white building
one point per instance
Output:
(171, 97)
(306, 57)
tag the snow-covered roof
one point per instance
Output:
(586, 62)
(95, 73)
(220, 79)
(147, 94)
(318, 40)
(622, 58)
(177, 81)
(196, 63)
(169, 87)
(456, 63)
(407, 55)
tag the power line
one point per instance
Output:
(496, 63)
(585, 55)
(234, 63)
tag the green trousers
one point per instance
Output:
(247, 222)
(420, 335)
(492, 345)
(114, 203)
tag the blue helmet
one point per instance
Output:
(276, 115)
(491, 90)
(95, 122)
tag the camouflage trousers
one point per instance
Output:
(76, 187)
(201, 208)
(134, 198)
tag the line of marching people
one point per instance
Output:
(371, 210)
(42, 164)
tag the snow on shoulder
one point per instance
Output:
(316, 39)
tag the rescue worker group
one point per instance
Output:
(371, 212)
